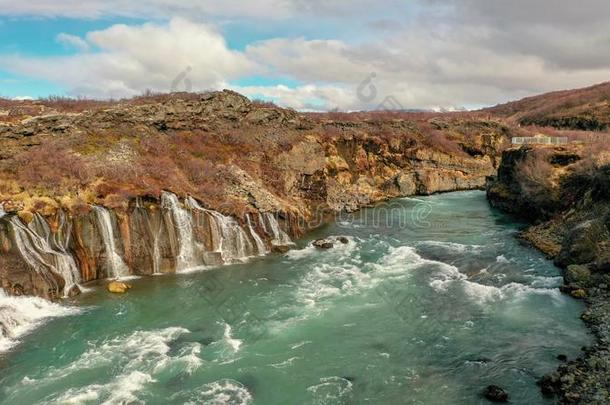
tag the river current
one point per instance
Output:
(431, 300)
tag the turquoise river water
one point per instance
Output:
(431, 300)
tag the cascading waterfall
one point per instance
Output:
(113, 260)
(25, 245)
(47, 246)
(183, 224)
(228, 237)
(36, 250)
(235, 242)
(149, 228)
(215, 232)
(156, 253)
(260, 245)
(280, 238)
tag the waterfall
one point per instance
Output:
(228, 237)
(235, 242)
(156, 253)
(183, 224)
(260, 245)
(46, 246)
(61, 238)
(280, 238)
(113, 259)
(151, 227)
(35, 248)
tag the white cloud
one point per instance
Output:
(127, 60)
(304, 98)
(428, 53)
(72, 41)
(443, 58)
(193, 9)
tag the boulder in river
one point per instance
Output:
(579, 294)
(577, 274)
(74, 291)
(549, 384)
(116, 287)
(280, 248)
(495, 394)
(581, 244)
(323, 244)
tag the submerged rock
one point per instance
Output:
(73, 291)
(549, 384)
(330, 243)
(482, 360)
(116, 287)
(495, 394)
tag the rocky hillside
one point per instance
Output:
(565, 192)
(91, 190)
(585, 109)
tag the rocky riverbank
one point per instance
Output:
(565, 191)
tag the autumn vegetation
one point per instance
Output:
(112, 159)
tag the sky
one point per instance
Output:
(306, 54)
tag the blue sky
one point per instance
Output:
(38, 37)
(34, 36)
(307, 55)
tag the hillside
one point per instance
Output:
(221, 148)
(585, 109)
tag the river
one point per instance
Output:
(431, 300)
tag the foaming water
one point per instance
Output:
(21, 315)
(134, 361)
(331, 390)
(219, 392)
(427, 314)
(235, 344)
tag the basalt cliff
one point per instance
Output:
(164, 183)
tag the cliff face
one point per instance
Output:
(566, 190)
(159, 185)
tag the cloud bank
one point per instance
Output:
(429, 54)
